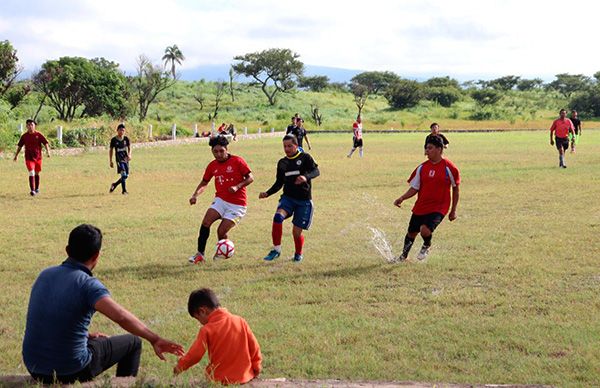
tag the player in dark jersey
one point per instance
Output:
(33, 141)
(299, 132)
(432, 181)
(294, 173)
(122, 149)
(435, 131)
(577, 127)
(232, 174)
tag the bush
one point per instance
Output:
(404, 93)
(587, 103)
(8, 139)
(445, 96)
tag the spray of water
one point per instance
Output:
(382, 244)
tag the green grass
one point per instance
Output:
(508, 295)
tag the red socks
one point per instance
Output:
(276, 233)
(299, 243)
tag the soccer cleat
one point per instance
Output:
(197, 258)
(564, 166)
(32, 193)
(400, 258)
(297, 258)
(112, 188)
(125, 193)
(423, 253)
(272, 255)
(37, 191)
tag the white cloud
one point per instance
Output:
(459, 38)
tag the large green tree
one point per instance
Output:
(567, 84)
(75, 85)
(375, 81)
(274, 69)
(173, 55)
(9, 66)
(316, 83)
(404, 93)
(149, 82)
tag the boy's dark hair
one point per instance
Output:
(218, 140)
(562, 110)
(432, 125)
(435, 140)
(84, 242)
(30, 121)
(120, 126)
(291, 137)
(203, 297)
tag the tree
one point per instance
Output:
(16, 94)
(315, 83)
(404, 93)
(173, 55)
(274, 69)
(361, 94)
(588, 102)
(443, 90)
(9, 67)
(486, 97)
(219, 90)
(149, 82)
(504, 83)
(109, 91)
(567, 84)
(442, 82)
(375, 81)
(231, 78)
(529, 84)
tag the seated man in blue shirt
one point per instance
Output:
(57, 346)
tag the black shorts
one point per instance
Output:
(357, 142)
(431, 221)
(562, 142)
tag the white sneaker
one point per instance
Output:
(197, 258)
(423, 253)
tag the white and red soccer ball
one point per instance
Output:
(225, 249)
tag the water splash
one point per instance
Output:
(382, 244)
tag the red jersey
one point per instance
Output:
(357, 127)
(33, 145)
(232, 349)
(561, 127)
(228, 173)
(433, 181)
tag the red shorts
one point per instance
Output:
(34, 165)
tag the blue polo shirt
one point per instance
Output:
(60, 311)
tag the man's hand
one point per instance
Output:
(111, 164)
(193, 200)
(15, 158)
(165, 346)
(398, 201)
(47, 154)
(176, 370)
(233, 189)
(300, 180)
(551, 142)
(96, 335)
(263, 195)
(452, 215)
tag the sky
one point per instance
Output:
(413, 38)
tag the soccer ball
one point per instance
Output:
(225, 249)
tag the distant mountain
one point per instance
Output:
(221, 72)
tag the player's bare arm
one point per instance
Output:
(110, 157)
(455, 197)
(411, 192)
(247, 180)
(199, 190)
(47, 150)
(17, 153)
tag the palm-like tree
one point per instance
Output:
(174, 55)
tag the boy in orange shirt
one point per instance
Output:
(233, 352)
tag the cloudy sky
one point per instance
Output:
(462, 38)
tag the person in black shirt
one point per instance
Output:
(299, 131)
(122, 149)
(577, 125)
(294, 173)
(435, 131)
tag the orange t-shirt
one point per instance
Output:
(562, 127)
(233, 352)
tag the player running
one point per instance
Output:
(577, 128)
(122, 149)
(562, 126)
(294, 173)
(232, 174)
(357, 138)
(299, 132)
(33, 141)
(432, 181)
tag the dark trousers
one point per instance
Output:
(123, 350)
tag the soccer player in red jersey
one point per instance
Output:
(33, 141)
(562, 127)
(357, 139)
(232, 174)
(432, 180)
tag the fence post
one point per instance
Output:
(259, 131)
(212, 129)
(21, 127)
(174, 132)
(195, 130)
(149, 131)
(59, 134)
(245, 130)
(272, 130)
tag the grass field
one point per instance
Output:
(509, 293)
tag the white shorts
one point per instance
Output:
(228, 210)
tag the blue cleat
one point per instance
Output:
(297, 258)
(272, 255)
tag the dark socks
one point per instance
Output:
(31, 183)
(408, 243)
(203, 238)
(427, 240)
(123, 185)
(37, 182)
